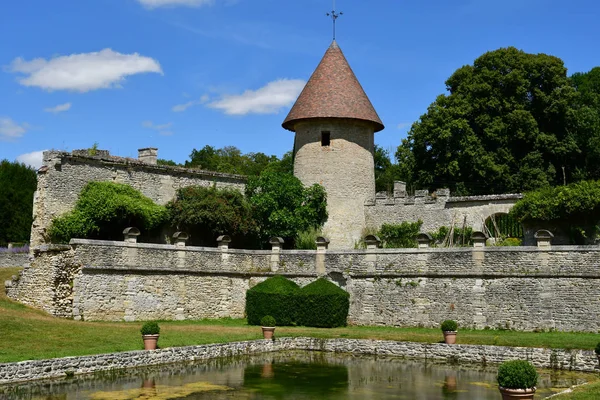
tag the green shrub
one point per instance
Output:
(103, 210)
(275, 296)
(510, 242)
(597, 349)
(517, 374)
(400, 235)
(307, 239)
(459, 237)
(268, 321)
(322, 304)
(449, 326)
(150, 328)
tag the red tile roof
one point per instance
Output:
(333, 92)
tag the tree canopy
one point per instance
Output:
(18, 183)
(511, 122)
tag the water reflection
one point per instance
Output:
(291, 375)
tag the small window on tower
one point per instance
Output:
(325, 138)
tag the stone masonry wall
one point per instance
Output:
(436, 211)
(63, 176)
(523, 288)
(13, 259)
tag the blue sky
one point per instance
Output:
(181, 74)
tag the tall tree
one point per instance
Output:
(18, 183)
(509, 123)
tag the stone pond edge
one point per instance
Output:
(576, 360)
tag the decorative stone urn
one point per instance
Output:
(523, 394)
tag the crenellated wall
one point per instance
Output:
(523, 288)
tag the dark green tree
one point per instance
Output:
(282, 206)
(509, 123)
(230, 160)
(18, 183)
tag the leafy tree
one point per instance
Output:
(229, 160)
(162, 161)
(207, 212)
(18, 183)
(103, 210)
(282, 206)
(510, 122)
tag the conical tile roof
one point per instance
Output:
(333, 92)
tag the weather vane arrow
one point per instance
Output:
(334, 16)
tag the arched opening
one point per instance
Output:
(504, 229)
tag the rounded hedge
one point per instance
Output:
(150, 328)
(517, 374)
(275, 297)
(449, 326)
(323, 304)
(268, 321)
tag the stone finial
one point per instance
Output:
(130, 234)
(399, 189)
(479, 239)
(223, 242)
(424, 240)
(544, 238)
(322, 243)
(372, 242)
(276, 243)
(148, 155)
(180, 238)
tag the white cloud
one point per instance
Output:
(59, 108)
(33, 159)
(174, 3)
(9, 129)
(267, 100)
(185, 106)
(83, 72)
(163, 129)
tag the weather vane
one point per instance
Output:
(334, 16)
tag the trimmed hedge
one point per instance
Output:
(517, 374)
(322, 304)
(275, 296)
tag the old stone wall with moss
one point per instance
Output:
(523, 288)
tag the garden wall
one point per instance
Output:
(13, 259)
(523, 288)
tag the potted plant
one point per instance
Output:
(268, 326)
(150, 332)
(449, 328)
(517, 380)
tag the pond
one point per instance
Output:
(289, 375)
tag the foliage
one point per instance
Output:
(503, 226)
(276, 297)
(18, 183)
(322, 304)
(171, 163)
(207, 212)
(307, 239)
(386, 172)
(230, 160)
(510, 242)
(453, 237)
(512, 121)
(400, 235)
(268, 321)
(449, 326)
(517, 374)
(103, 210)
(576, 206)
(150, 328)
(282, 206)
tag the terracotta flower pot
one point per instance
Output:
(450, 337)
(268, 332)
(150, 342)
(522, 394)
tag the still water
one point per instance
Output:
(289, 375)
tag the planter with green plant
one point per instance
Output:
(268, 326)
(517, 380)
(150, 332)
(449, 328)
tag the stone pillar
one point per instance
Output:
(424, 240)
(479, 239)
(130, 234)
(223, 242)
(179, 239)
(373, 242)
(399, 189)
(148, 155)
(543, 238)
(276, 245)
(322, 246)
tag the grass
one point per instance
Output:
(586, 392)
(26, 334)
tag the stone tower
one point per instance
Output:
(334, 122)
